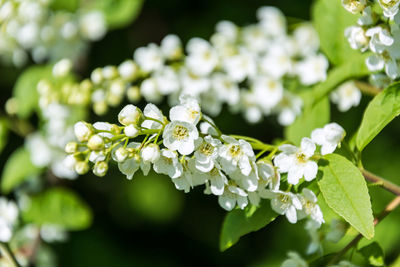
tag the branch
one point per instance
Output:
(367, 88)
(389, 208)
(10, 254)
(389, 186)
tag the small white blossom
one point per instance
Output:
(206, 153)
(180, 135)
(171, 47)
(130, 114)
(328, 137)
(346, 96)
(132, 163)
(62, 68)
(354, 6)
(168, 163)
(188, 111)
(233, 195)
(296, 161)
(236, 154)
(8, 218)
(312, 69)
(202, 57)
(149, 154)
(149, 58)
(357, 38)
(310, 207)
(82, 131)
(131, 130)
(284, 203)
(380, 39)
(152, 111)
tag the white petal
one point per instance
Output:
(307, 147)
(226, 202)
(310, 170)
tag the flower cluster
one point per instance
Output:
(8, 218)
(31, 27)
(256, 70)
(192, 151)
(377, 31)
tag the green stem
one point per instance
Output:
(367, 88)
(10, 254)
(250, 139)
(152, 119)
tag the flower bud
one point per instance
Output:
(100, 168)
(100, 108)
(110, 72)
(95, 142)
(97, 76)
(130, 114)
(82, 167)
(115, 130)
(150, 153)
(128, 70)
(11, 106)
(121, 154)
(117, 88)
(131, 131)
(62, 68)
(133, 94)
(71, 147)
(82, 131)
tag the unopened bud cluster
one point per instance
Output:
(192, 151)
(32, 27)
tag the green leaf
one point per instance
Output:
(25, 89)
(312, 117)
(3, 133)
(380, 111)
(238, 223)
(68, 5)
(330, 20)
(373, 253)
(17, 169)
(345, 191)
(59, 206)
(118, 13)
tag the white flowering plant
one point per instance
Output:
(158, 114)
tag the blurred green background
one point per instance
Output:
(146, 221)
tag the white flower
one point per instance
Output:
(95, 142)
(306, 39)
(249, 182)
(277, 62)
(130, 114)
(8, 218)
(295, 260)
(267, 173)
(284, 203)
(206, 153)
(354, 6)
(132, 163)
(236, 154)
(100, 168)
(390, 7)
(296, 161)
(82, 131)
(93, 25)
(272, 20)
(310, 207)
(346, 96)
(167, 80)
(288, 108)
(168, 163)
(180, 135)
(62, 68)
(227, 29)
(149, 58)
(328, 137)
(268, 93)
(184, 182)
(171, 47)
(40, 151)
(240, 66)
(232, 195)
(380, 39)
(312, 69)
(149, 154)
(357, 38)
(149, 90)
(188, 111)
(225, 89)
(202, 57)
(215, 177)
(152, 111)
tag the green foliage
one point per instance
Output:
(380, 112)
(311, 118)
(345, 191)
(25, 89)
(239, 222)
(59, 206)
(18, 168)
(69, 5)
(118, 12)
(373, 254)
(3, 133)
(330, 20)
